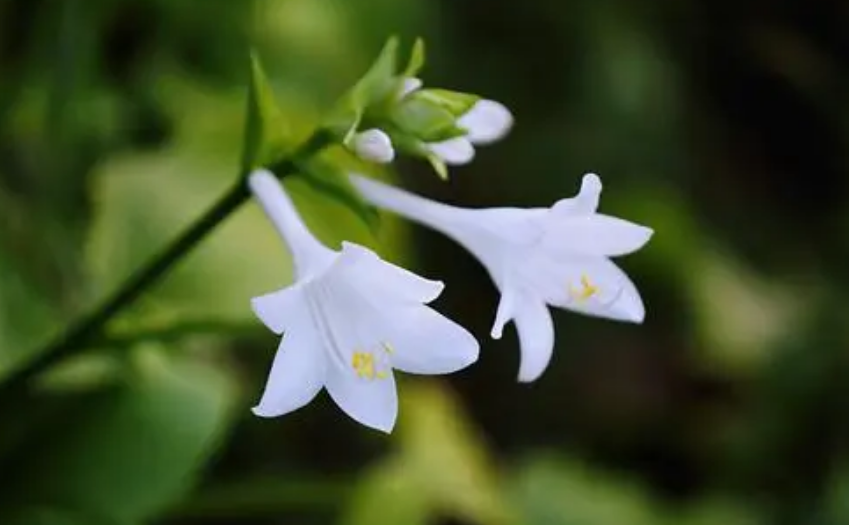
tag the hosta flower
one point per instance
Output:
(556, 256)
(349, 319)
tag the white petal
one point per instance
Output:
(297, 374)
(376, 277)
(422, 341)
(594, 234)
(371, 402)
(454, 151)
(278, 309)
(536, 338)
(486, 122)
(589, 285)
(373, 145)
(585, 202)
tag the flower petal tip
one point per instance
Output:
(263, 308)
(526, 378)
(384, 427)
(259, 411)
(591, 183)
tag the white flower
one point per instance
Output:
(373, 145)
(347, 322)
(487, 122)
(537, 257)
(454, 151)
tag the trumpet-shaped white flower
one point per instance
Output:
(347, 322)
(373, 145)
(555, 256)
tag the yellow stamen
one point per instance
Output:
(586, 291)
(363, 364)
(368, 367)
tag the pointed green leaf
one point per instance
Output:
(265, 131)
(417, 59)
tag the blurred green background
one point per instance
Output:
(723, 125)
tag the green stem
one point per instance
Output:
(90, 326)
(175, 332)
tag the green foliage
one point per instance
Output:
(120, 122)
(130, 452)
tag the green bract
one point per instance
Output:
(424, 120)
(452, 101)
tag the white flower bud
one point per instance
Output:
(373, 145)
(454, 151)
(487, 122)
(410, 84)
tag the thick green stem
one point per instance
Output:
(91, 326)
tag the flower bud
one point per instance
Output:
(409, 85)
(373, 145)
(454, 151)
(486, 122)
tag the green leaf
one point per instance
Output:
(448, 457)
(265, 131)
(131, 452)
(328, 181)
(417, 59)
(389, 495)
(554, 491)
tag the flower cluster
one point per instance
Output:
(390, 110)
(350, 319)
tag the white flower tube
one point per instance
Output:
(536, 257)
(348, 321)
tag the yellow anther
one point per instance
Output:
(586, 291)
(363, 364)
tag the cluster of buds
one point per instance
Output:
(389, 110)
